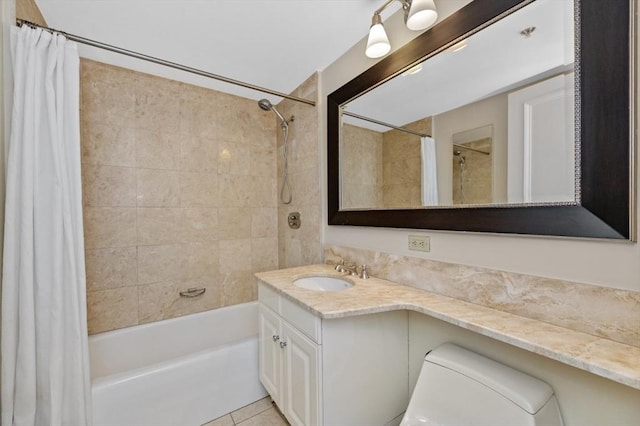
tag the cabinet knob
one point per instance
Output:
(275, 337)
(283, 344)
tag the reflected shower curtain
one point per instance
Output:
(429, 172)
(45, 362)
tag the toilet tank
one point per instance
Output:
(460, 387)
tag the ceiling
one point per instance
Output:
(278, 44)
(270, 43)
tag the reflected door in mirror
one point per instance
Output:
(541, 160)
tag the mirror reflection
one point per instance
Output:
(489, 120)
(472, 168)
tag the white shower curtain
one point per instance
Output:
(429, 172)
(45, 362)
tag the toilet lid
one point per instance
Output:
(527, 392)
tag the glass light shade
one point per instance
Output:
(421, 15)
(378, 42)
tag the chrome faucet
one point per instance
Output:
(352, 270)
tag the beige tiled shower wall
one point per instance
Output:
(301, 246)
(402, 165)
(179, 189)
(382, 170)
(361, 167)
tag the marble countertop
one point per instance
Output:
(605, 358)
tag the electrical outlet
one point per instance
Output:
(419, 243)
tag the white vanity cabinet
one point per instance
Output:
(289, 368)
(344, 371)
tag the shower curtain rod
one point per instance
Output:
(159, 61)
(382, 123)
(404, 129)
(471, 149)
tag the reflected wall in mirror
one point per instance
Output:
(561, 128)
(382, 169)
(516, 75)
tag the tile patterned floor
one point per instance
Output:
(260, 413)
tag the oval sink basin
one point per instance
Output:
(323, 283)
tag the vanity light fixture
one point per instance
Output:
(378, 43)
(418, 15)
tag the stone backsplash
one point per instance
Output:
(599, 311)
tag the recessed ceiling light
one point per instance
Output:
(527, 32)
(413, 70)
(459, 46)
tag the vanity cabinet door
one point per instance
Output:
(301, 375)
(270, 353)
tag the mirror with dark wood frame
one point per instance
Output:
(603, 132)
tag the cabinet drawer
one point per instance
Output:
(297, 316)
(302, 319)
(269, 298)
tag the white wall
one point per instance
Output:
(604, 263)
(492, 111)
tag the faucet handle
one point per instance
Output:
(339, 265)
(364, 273)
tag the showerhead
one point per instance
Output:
(267, 106)
(264, 104)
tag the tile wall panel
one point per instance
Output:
(300, 246)
(179, 191)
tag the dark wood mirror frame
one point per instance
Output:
(604, 105)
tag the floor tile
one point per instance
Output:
(268, 417)
(251, 410)
(222, 421)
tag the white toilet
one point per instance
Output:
(459, 387)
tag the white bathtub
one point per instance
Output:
(181, 371)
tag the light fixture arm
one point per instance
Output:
(405, 5)
(376, 19)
